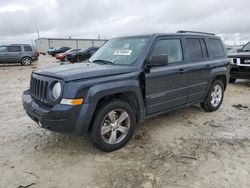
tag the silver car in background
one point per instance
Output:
(18, 53)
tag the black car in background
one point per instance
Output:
(55, 51)
(81, 55)
(240, 64)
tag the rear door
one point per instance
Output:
(198, 68)
(165, 86)
(14, 53)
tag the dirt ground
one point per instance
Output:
(184, 148)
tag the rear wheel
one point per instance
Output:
(26, 61)
(113, 125)
(214, 97)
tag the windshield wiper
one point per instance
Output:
(104, 61)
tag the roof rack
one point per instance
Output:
(196, 32)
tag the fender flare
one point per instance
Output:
(97, 92)
(220, 71)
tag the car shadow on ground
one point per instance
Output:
(80, 145)
(10, 65)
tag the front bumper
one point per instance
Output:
(59, 118)
(240, 72)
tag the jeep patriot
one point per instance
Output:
(129, 80)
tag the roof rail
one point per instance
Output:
(196, 32)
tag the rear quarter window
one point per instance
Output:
(28, 49)
(216, 48)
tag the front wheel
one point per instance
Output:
(214, 97)
(26, 61)
(113, 125)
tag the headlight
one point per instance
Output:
(56, 90)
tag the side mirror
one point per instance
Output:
(158, 60)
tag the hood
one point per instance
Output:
(240, 55)
(77, 71)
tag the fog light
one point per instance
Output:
(72, 102)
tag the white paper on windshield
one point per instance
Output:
(122, 52)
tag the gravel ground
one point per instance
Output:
(184, 148)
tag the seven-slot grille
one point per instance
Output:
(38, 89)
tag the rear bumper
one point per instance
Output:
(240, 72)
(59, 118)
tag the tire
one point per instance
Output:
(232, 80)
(115, 135)
(26, 61)
(214, 97)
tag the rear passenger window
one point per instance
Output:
(194, 49)
(27, 49)
(170, 47)
(15, 49)
(215, 47)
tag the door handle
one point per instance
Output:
(208, 65)
(181, 70)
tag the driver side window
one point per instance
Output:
(170, 47)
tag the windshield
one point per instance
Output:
(83, 49)
(122, 51)
(247, 47)
(233, 51)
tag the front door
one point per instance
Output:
(166, 85)
(3, 54)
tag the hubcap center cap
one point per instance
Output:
(114, 126)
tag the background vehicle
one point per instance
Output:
(50, 50)
(233, 51)
(18, 53)
(58, 50)
(240, 64)
(82, 55)
(62, 56)
(127, 81)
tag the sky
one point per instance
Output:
(20, 20)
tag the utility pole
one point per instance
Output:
(38, 34)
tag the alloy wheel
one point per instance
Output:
(115, 126)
